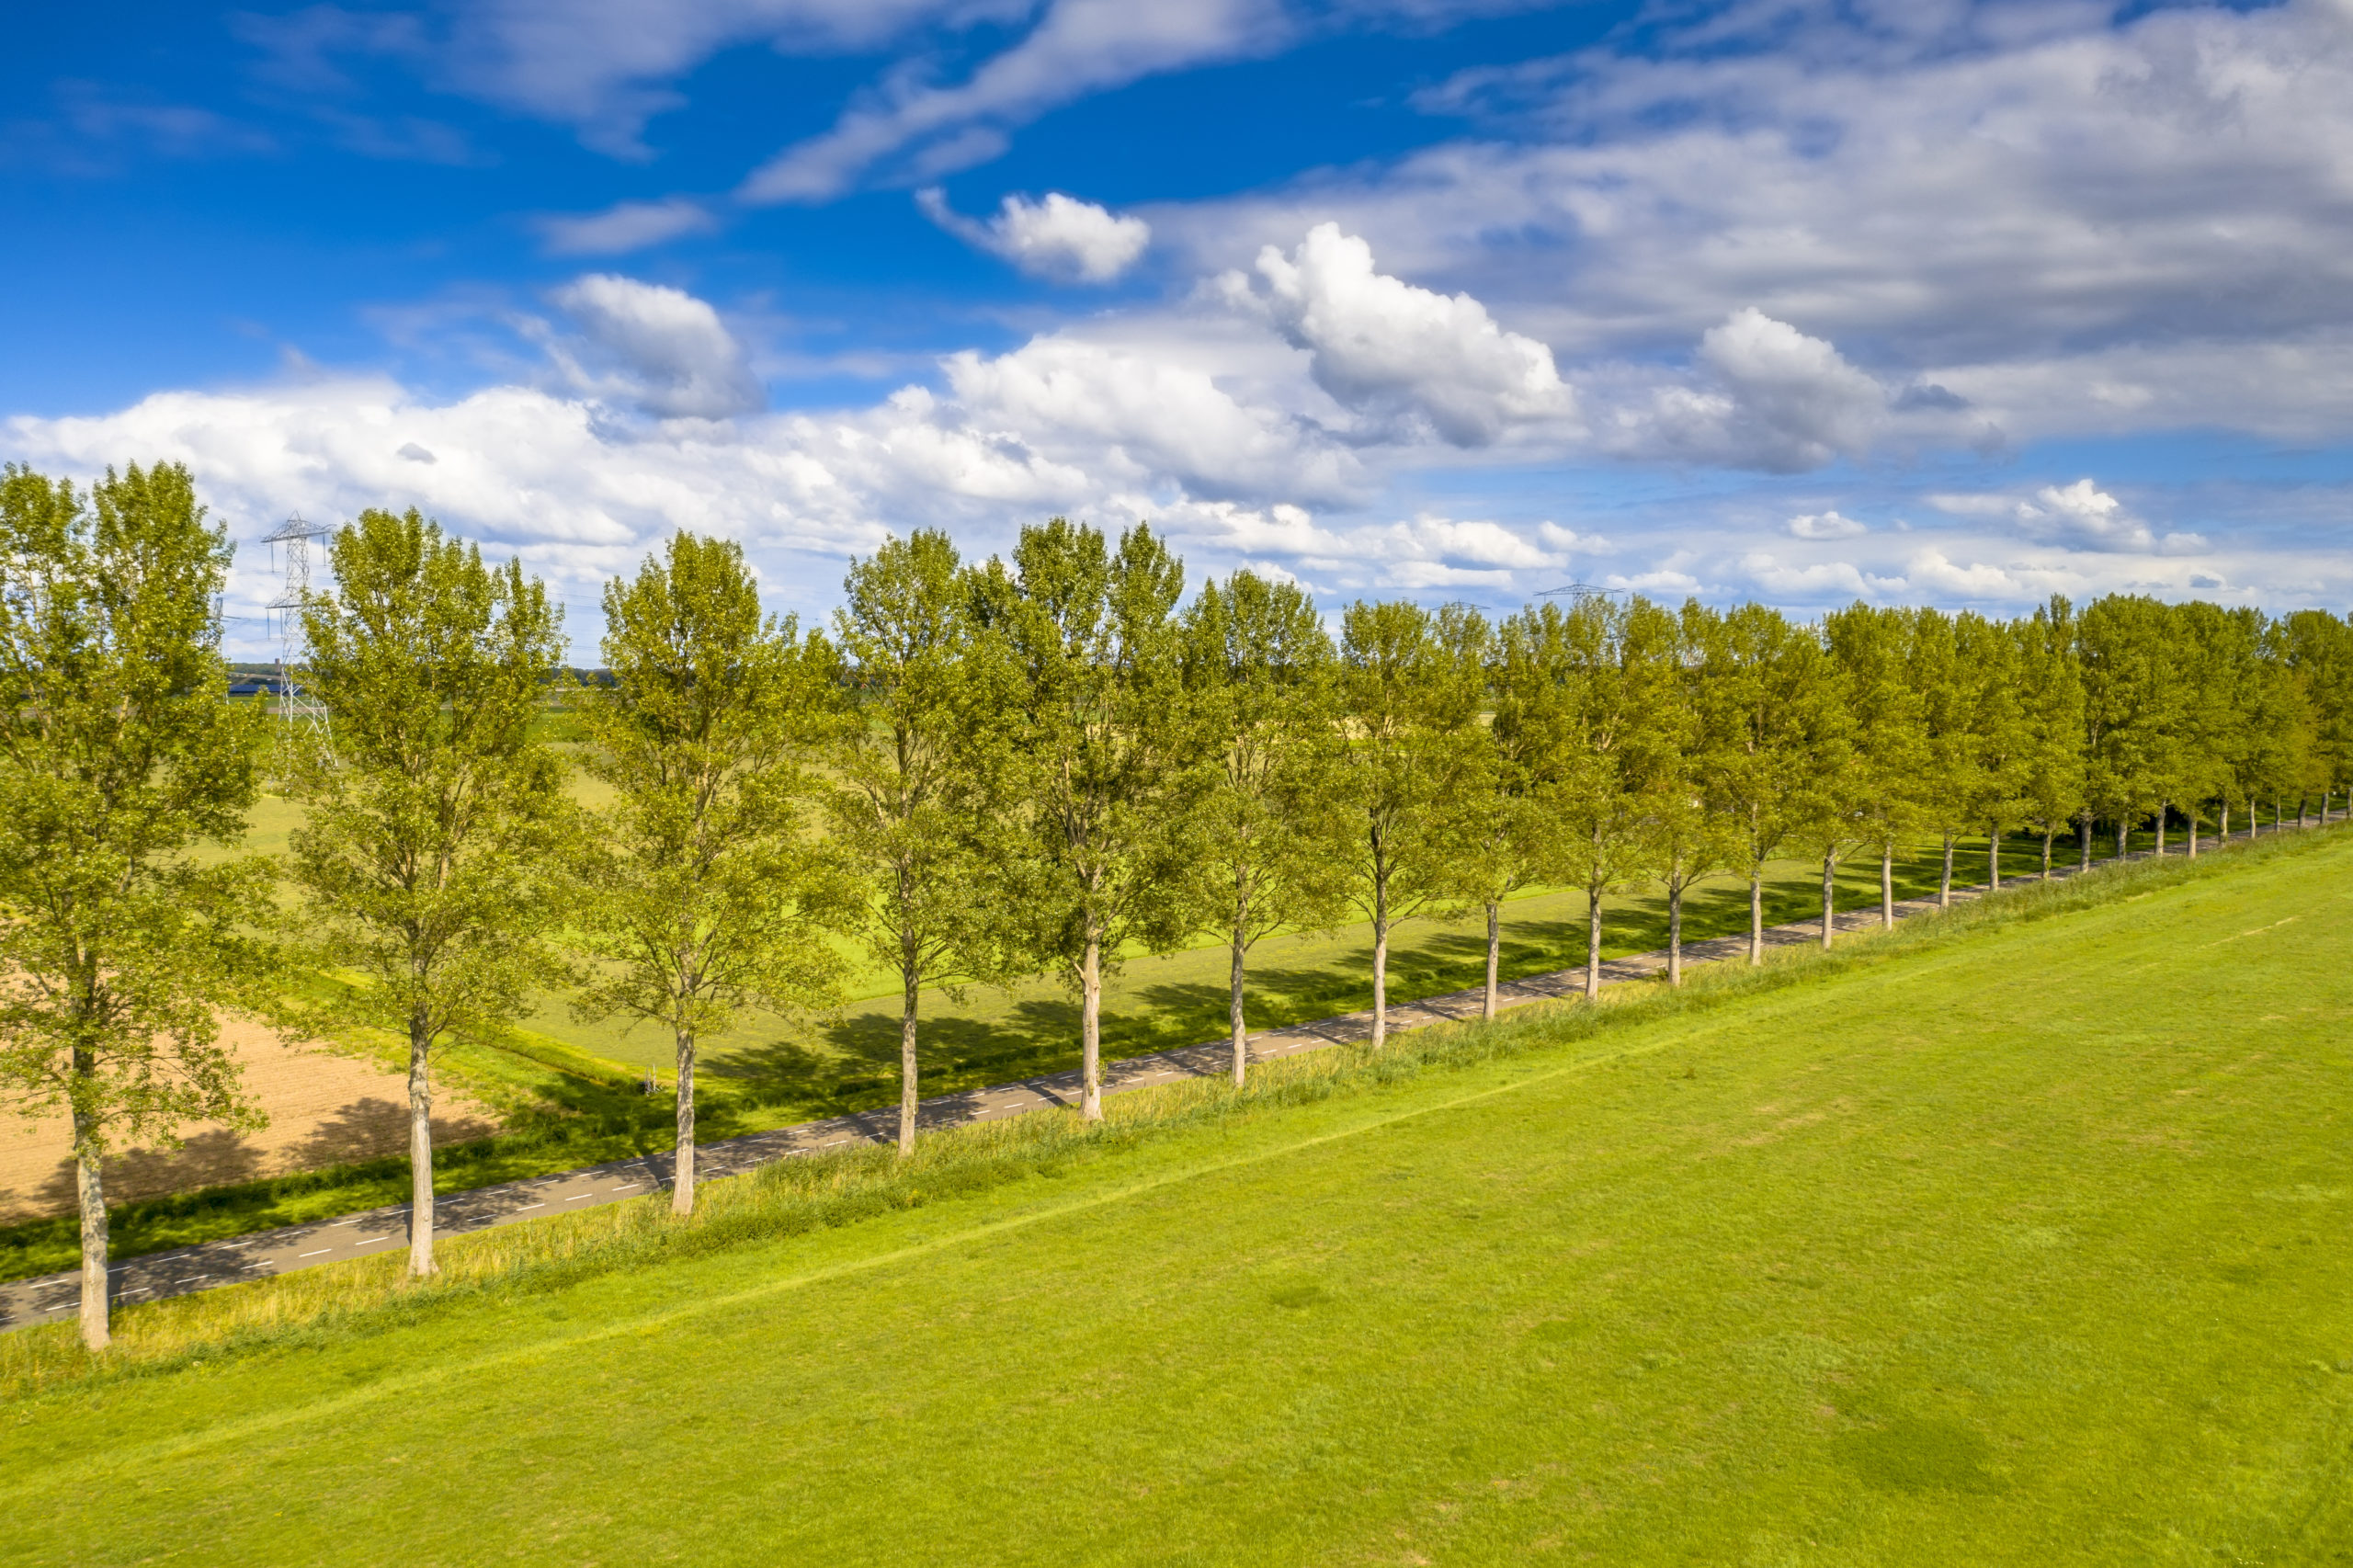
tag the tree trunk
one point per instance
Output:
(2087, 842)
(2164, 810)
(1495, 955)
(1829, 866)
(1235, 973)
(909, 1082)
(1379, 972)
(682, 1174)
(1944, 878)
(1887, 887)
(420, 1147)
(1675, 933)
(1756, 915)
(2047, 836)
(1993, 860)
(90, 1193)
(1593, 942)
(2122, 828)
(1090, 1026)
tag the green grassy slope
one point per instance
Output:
(2026, 1249)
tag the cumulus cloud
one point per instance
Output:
(1814, 580)
(1383, 347)
(1060, 237)
(1824, 526)
(625, 226)
(660, 347)
(2081, 516)
(1130, 415)
(2078, 226)
(1437, 551)
(1760, 394)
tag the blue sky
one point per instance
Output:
(1803, 300)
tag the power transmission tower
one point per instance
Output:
(297, 709)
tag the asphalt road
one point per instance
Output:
(203, 1267)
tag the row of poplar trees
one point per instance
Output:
(1047, 761)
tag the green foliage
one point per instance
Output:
(703, 891)
(915, 771)
(701, 888)
(120, 754)
(1410, 707)
(430, 860)
(1261, 704)
(1092, 768)
(1871, 650)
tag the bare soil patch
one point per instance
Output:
(325, 1108)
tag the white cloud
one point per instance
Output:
(1930, 572)
(668, 350)
(625, 226)
(1816, 581)
(2081, 516)
(1078, 47)
(1760, 394)
(1132, 417)
(1434, 552)
(1060, 237)
(603, 66)
(1382, 345)
(1824, 526)
(2076, 226)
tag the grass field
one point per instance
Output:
(2018, 1242)
(566, 1089)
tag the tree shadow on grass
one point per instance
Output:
(851, 1064)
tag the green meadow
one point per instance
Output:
(567, 1089)
(2015, 1236)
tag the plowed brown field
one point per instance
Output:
(324, 1109)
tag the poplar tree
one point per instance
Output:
(2276, 746)
(1260, 678)
(1686, 836)
(2000, 740)
(2318, 647)
(1502, 846)
(1408, 711)
(912, 809)
(1873, 650)
(120, 752)
(703, 891)
(2051, 686)
(2203, 672)
(1949, 785)
(1836, 787)
(431, 859)
(1098, 755)
(1760, 682)
(1596, 678)
(2129, 700)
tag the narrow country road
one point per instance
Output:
(154, 1276)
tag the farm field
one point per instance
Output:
(2020, 1245)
